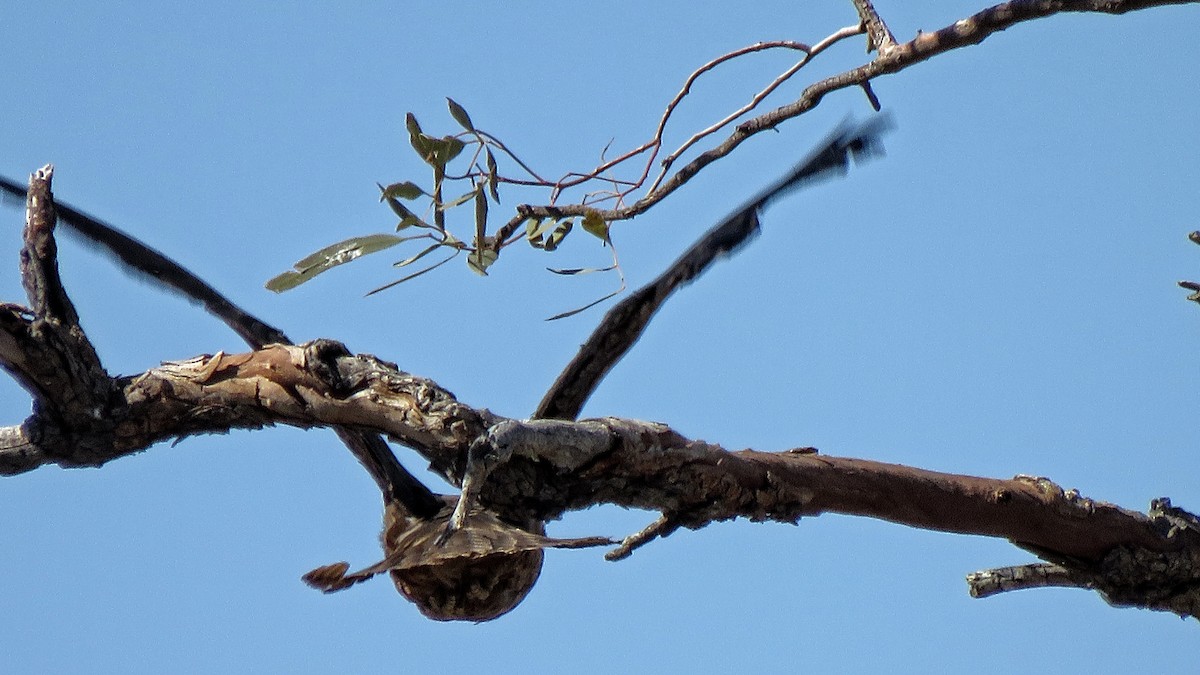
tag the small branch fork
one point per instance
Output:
(533, 471)
(890, 57)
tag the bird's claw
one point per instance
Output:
(458, 521)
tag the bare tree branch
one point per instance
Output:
(964, 32)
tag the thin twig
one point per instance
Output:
(962, 33)
(758, 98)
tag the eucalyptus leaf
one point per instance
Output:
(410, 121)
(493, 178)
(588, 306)
(559, 233)
(412, 259)
(595, 225)
(460, 114)
(330, 257)
(480, 259)
(405, 190)
(459, 200)
(407, 217)
(414, 275)
(481, 214)
(449, 148)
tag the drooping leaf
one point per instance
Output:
(405, 190)
(448, 149)
(459, 200)
(559, 233)
(595, 225)
(330, 257)
(437, 152)
(407, 217)
(481, 214)
(410, 121)
(412, 259)
(493, 180)
(588, 306)
(480, 259)
(414, 275)
(534, 229)
(460, 114)
(420, 142)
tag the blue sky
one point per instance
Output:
(994, 297)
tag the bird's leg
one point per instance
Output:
(562, 444)
(485, 454)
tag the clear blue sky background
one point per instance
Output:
(995, 297)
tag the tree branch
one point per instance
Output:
(551, 467)
(968, 31)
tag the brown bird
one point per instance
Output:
(475, 573)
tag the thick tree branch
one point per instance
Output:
(550, 467)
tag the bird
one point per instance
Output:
(478, 572)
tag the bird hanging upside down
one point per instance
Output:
(475, 573)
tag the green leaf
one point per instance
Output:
(459, 200)
(481, 214)
(480, 259)
(535, 228)
(460, 114)
(410, 121)
(407, 217)
(414, 275)
(492, 176)
(420, 142)
(594, 224)
(412, 259)
(405, 190)
(559, 233)
(437, 152)
(423, 146)
(588, 306)
(448, 149)
(330, 257)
